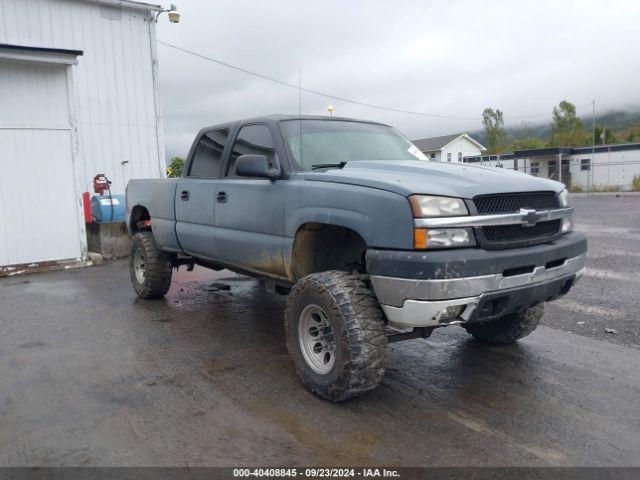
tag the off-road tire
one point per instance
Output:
(508, 329)
(359, 333)
(157, 267)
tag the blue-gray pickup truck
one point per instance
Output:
(371, 242)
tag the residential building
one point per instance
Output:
(78, 96)
(449, 148)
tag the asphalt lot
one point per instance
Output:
(90, 375)
(608, 295)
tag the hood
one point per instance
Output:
(434, 178)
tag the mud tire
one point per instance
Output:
(157, 267)
(359, 333)
(508, 329)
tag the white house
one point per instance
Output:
(598, 167)
(449, 148)
(78, 97)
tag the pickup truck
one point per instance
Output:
(372, 242)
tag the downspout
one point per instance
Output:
(156, 94)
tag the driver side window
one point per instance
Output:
(252, 139)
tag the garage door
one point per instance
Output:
(38, 210)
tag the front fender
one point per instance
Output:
(353, 220)
(383, 219)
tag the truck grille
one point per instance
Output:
(513, 202)
(512, 233)
(512, 236)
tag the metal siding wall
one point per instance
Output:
(38, 217)
(39, 223)
(26, 95)
(615, 168)
(113, 81)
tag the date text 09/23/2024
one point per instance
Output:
(315, 473)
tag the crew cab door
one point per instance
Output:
(195, 195)
(249, 211)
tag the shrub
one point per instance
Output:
(576, 189)
(635, 183)
(174, 170)
(606, 188)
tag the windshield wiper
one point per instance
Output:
(328, 165)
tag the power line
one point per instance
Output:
(308, 90)
(337, 97)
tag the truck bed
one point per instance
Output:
(158, 196)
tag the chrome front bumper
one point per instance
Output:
(422, 303)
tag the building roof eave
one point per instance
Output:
(149, 7)
(434, 144)
(468, 137)
(26, 53)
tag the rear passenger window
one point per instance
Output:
(252, 139)
(208, 154)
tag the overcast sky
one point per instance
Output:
(442, 57)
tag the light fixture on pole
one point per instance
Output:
(174, 15)
(330, 109)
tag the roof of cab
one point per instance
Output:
(279, 117)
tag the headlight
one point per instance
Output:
(564, 198)
(443, 238)
(567, 225)
(424, 206)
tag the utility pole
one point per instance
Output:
(593, 141)
(299, 94)
(559, 167)
(300, 111)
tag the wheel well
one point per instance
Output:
(139, 215)
(319, 247)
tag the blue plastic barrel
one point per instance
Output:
(108, 209)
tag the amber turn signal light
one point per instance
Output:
(419, 238)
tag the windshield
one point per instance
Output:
(317, 144)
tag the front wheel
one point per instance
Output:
(509, 328)
(150, 267)
(335, 335)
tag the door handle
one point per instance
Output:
(222, 197)
(184, 195)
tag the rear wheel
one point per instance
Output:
(335, 334)
(509, 328)
(150, 267)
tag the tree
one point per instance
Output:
(493, 122)
(566, 129)
(631, 134)
(174, 170)
(526, 143)
(604, 135)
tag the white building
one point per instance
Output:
(587, 168)
(449, 148)
(78, 97)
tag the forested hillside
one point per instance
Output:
(567, 129)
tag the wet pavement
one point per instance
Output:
(606, 302)
(91, 375)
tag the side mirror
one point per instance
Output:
(255, 166)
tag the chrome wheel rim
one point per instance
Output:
(317, 340)
(138, 266)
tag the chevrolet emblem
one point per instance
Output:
(529, 217)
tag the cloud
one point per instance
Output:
(453, 58)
